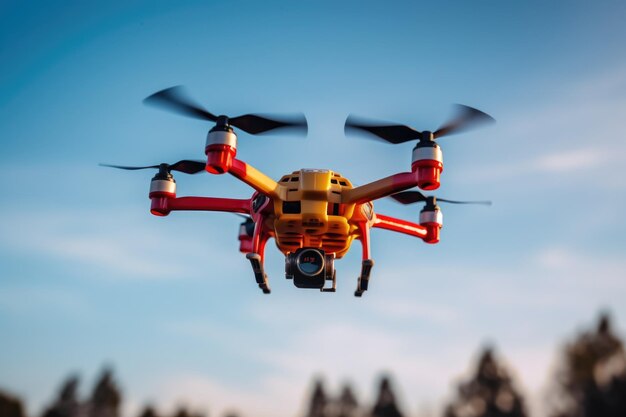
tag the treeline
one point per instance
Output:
(590, 382)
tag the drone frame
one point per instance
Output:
(356, 215)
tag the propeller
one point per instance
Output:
(185, 165)
(410, 197)
(465, 118)
(176, 100)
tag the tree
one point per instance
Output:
(489, 393)
(182, 411)
(346, 403)
(591, 381)
(148, 411)
(386, 402)
(106, 397)
(66, 404)
(318, 405)
(10, 406)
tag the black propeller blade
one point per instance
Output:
(256, 124)
(175, 99)
(185, 165)
(391, 133)
(466, 118)
(410, 197)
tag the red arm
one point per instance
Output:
(400, 226)
(381, 188)
(161, 206)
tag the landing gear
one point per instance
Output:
(333, 287)
(367, 263)
(259, 239)
(364, 278)
(259, 272)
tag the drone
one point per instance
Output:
(314, 215)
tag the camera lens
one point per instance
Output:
(310, 262)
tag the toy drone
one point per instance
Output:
(313, 215)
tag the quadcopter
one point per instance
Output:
(314, 215)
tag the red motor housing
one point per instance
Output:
(246, 232)
(428, 164)
(220, 149)
(162, 188)
(432, 220)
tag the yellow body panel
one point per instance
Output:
(311, 213)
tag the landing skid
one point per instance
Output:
(259, 273)
(364, 279)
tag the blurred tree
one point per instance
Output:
(591, 381)
(386, 402)
(66, 404)
(346, 403)
(182, 411)
(490, 393)
(106, 397)
(10, 406)
(318, 406)
(148, 411)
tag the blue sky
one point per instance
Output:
(90, 277)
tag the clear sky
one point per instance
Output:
(88, 276)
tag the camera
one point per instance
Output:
(310, 267)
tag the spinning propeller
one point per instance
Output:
(175, 99)
(410, 197)
(185, 165)
(466, 118)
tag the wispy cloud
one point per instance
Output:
(109, 247)
(580, 165)
(573, 160)
(577, 138)
(597, 271)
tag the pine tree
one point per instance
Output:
(10, 406)
(386, 402)
(318, 405)
(489, 393)
(66, 404)
(106, 397)
(148, 411)
(182, 411)
(592, 378)
(346, 403)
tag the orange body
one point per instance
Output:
(310, 212)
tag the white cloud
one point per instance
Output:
(572, 160)
(597, 271)
(570, 164)
(581, 134)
